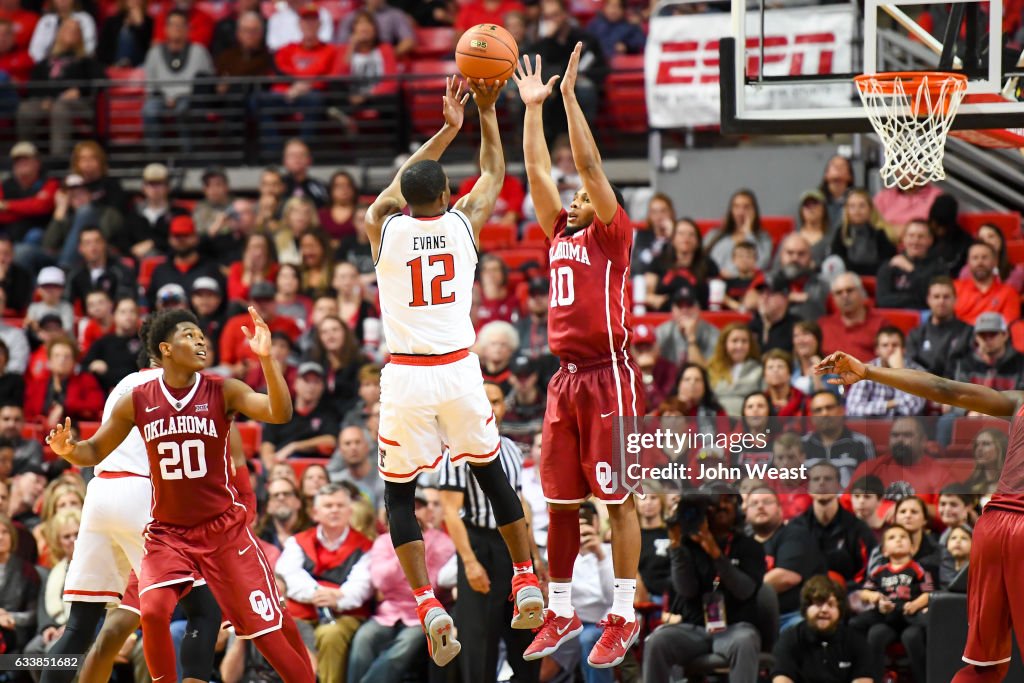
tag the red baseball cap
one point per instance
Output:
(182, 226)
(309, 11)
(643, 334)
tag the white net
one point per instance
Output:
(913, 126)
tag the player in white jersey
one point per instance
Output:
(110, 545)
(432, 390)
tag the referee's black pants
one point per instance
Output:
(483, 619)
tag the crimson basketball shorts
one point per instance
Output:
(225, 553)
(582, 449)
(995, 592)
(130, 600)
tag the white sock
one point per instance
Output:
(560, 599)
(625, 591)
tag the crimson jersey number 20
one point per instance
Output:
(447, 274)
(182, 460)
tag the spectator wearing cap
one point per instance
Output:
(210, 212)
(903, 280)
(492, 297)
(808, 291)
(773, 323)
(171, 296)
(62, 391)
(657, 374)
(46, 35)
(74, 210)
(855, 324)
(112, 357)
(525, 404)
(171, 66)
(982, 290)
(187, 264)
(686, 338)
(873, 399)
(200, 23)
(50, 290)
(27, 195)
(234, 352)
(936, 342)
(533, 326)
(95, 269)
(15, 280)
(207, 300)
(394, 27)
(15, 340)
(283, 26)
(125, 37)
(815, 226)
(311, 431)
(151, 219)
(303, 62)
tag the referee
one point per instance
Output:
(483, 612)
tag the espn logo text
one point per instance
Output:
(684, 62)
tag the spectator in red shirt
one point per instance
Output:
(302, 93)
(26, 196)
(982, 291)
(258, 264)
(484, 12)
(200, 23)
(99, 320)
(63, 392)
(508, 209)
(14, 59)
(22, 21)
(494, 300)
(855, 324)
(786, 400)
(233, 352)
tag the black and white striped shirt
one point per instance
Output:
(476, 509)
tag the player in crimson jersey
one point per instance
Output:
(995, 597)
(589, 330)
(199, 523)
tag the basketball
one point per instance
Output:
(487, 51)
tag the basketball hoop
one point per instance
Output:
(912, 111)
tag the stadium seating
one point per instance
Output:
(146, 269)
(534, 237)
(435, 42)
(122, 116)
(966, 428)
(1008, 222)
(626, 108)
(497, 236)
(904, 318)
(722, 318)
(252, 436)
(423, 91)
(778, 227)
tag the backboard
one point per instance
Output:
(789, 70)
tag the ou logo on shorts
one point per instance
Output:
(261, 605)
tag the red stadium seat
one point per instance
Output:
(434, 42)
(33, 431)
(146, 269)
(1015, 251)
(966, 428)
(252, 436)
(875, 429)
(1017, 335)
(904, 318)
(626, 107)
(1007, 221)
(722, 318)
(706, 225)
(86, 430)
(423, 93)
(300, 464)
(497, 236)
(870, 285)
(517, 258)
(124, 102)
(534, 237)
(778, 227)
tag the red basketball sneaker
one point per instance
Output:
(615, 641)
(555, 631)
(529, 602)
(440, 629)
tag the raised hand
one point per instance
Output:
(568, 86)
(849, 369)
(485, 94)
(59, 439)
(259, 338)
(454, 107)
(532, 88)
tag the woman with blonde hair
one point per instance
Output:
(61, 535)
(59, 495)
(862, 241)
(47, 30)
(735, 367)
(298, 217)
(989, 452)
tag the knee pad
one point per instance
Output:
(400, 503)
(504, 502)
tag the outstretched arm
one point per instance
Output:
(275, 406)
(939, 389)
(584, 149)
(109, 436)
(479, 203)
(533, 91)
(391, 200)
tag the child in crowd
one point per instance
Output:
(955, 555)
(865, 498)
(744, 262)
(956, 509)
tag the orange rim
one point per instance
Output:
(912, 81)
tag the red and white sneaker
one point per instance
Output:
(555, 631)
(528, 612)
(440, 629)
(618, 636)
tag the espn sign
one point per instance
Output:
(681, 65)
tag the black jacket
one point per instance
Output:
(807, 656)
(899, 289)
(935, 347)
(846, 542)
(740, 570)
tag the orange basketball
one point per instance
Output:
(487, 51)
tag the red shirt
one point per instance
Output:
(17, 63)
(590, 313)
(971, 301)
(497, 309)
(83, 397)
(24, 24)
(857, 340)
(509, 199)
(234, 347)
(88, 332)
(237, 289)
(473, 13)
(40, 204)
(187, 448)
(200, 27)
(299, 61)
